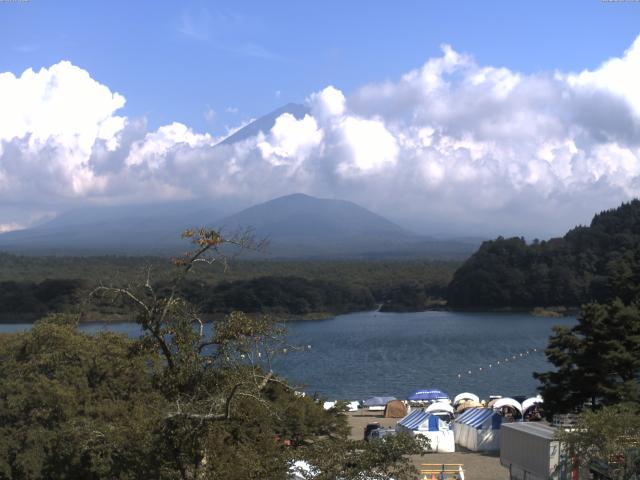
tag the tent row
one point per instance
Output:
(477, 428)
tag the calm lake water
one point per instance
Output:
(363, 354)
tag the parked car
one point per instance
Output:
(371, 427)
(381, 433)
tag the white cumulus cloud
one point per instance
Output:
(450, 146)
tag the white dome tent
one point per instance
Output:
(465, 396)
(530, 412)
(508, 402)
(440, 407)
(530, 402)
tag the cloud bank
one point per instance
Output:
(450, 147)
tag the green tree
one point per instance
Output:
(598, 360)
(610, 435)
(76, 406)
(360, 460)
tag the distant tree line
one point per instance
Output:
(595, 263)
(292, 295)
(32, 299)
(274, 295)
(254, 287)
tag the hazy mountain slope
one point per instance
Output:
(265, 123)
(299, 225)
(138, 229)
(302, 216)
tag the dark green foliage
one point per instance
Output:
(610, 436)
(595, 263)
(411, 296)
(32, 300)
(596, 361)
(293, 295)
(76, 406)
(357, 460)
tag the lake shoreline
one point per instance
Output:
(95, 317)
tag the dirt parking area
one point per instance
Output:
(477, 466)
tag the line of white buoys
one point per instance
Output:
(284, 350)
(498, 363)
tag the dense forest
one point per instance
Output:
(590, 263)
(278, 295)
(31, 286)
(27, 300)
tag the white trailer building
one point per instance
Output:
(530, 452)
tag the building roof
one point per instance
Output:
(538, 429)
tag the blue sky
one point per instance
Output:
(174, 61)
(467, 117)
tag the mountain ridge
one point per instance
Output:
(298, 226)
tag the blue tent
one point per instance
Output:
(377, 401)
(433, 427)
(421, 420)
(479, 417)
(478, 429)
(428, 395)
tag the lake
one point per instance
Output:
(363, 354)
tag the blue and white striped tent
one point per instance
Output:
(433, 427)
(423, 421)
(478, 429)
(477, 418)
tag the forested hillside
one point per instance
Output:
(590, 263)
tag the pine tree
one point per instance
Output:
(597, 361)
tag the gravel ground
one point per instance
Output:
(477, 466)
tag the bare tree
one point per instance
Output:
(207, 370)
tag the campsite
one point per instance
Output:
(463, 432)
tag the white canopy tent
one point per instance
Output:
(530, 402)
(478, 429)
(351, 406)
(434, 428)
(465, 396)
(507, 402)
(440, 407)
